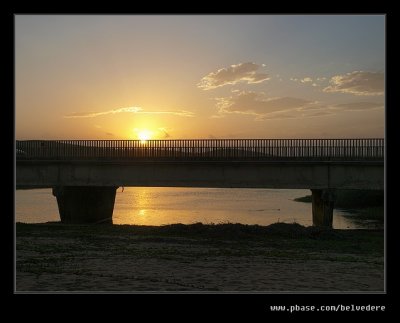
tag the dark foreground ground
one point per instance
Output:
(197, 257)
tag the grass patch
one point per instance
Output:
(60, 238)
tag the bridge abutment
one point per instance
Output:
(322, 207)
(85, 204)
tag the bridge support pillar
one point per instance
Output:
(322, 207)
(85, 204)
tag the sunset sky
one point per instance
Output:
(199, 76)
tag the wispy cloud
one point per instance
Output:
(243, 72)
(306, 80)
(357, 83)
(180, 113)
(93, 114)
(309, 112)
(248, 102)
(315, 82)
(264, 108)
(317, 109)
(357, 106)
(309, 80)
(260, 106)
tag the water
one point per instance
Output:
(158, 206)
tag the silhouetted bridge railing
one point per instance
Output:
(203, 149)
(85, 174)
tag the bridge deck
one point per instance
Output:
(84, 174)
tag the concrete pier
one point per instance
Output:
(85, 204)
(322, 207)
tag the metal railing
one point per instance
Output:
(203, 149)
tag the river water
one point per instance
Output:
(158, 206)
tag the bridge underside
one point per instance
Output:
(85, 191)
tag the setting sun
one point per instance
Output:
(144, 135)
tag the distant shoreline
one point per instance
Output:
(363, 205)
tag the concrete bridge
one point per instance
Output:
(85, 174)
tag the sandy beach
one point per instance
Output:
(198, 258)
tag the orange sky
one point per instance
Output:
(259, 76)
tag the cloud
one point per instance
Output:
(357, 106)
(109, 134)
(217, 116)
(306, 80)
(298, 113)
(316, 82)
(357, 83)
(264, 108)
(181, 113)
(316, 109)
(93, 114)
(257, 104)
(243, 72)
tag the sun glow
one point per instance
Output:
(144, 135)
